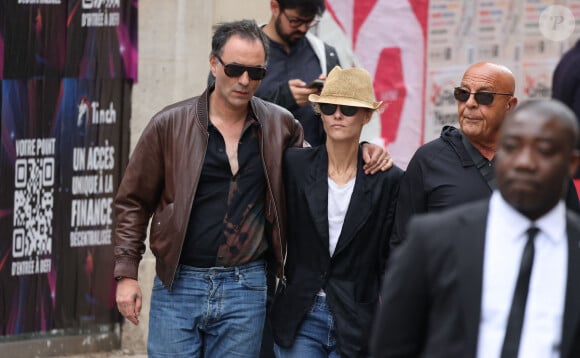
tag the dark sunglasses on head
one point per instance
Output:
(330, 109)
(234, 70)
(484, 98)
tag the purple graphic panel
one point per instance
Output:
(101, 39)
(27, 197)
(63, 144)
(93, 141)
(1, 49)
(32, 39)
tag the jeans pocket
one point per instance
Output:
(255, 280)
(157, 284)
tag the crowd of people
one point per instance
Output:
(277, 232)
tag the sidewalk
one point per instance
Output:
(133, 345)
(115, 354)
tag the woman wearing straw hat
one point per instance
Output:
(339, 222)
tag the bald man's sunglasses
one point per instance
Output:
(483, 97)
(234, 70)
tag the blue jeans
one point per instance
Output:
(316, 336)
(210, 312)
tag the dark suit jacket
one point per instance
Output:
(351, 278)
(432, 290)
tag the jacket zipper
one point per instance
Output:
(190, 207)
(276, 217)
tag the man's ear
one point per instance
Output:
(212, 65)
(368, 116)
(511, 103)
(274, 7)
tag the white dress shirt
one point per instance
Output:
(504, 244)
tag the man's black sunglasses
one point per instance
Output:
(484, 98)
(330, 109)
(234, 70)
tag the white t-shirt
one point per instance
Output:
(338, 201)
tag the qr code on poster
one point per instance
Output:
(33, 207)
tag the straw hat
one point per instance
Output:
(349, 87)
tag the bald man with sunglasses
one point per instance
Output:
(457, 167)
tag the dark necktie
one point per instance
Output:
(513, 333)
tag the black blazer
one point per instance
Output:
(432, 291)
(352, 276)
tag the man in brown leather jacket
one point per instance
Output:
(208, 171)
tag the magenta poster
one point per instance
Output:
(66, 68)
(86, 39)
(101, 39)
(62, 153)
(27, 198)
(2, 30)
(32, 38)
(92, 143)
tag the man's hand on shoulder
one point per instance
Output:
(376, 158)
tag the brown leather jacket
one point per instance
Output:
(162, 175)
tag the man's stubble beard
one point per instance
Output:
(288, 39)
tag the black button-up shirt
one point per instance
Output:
(226, 226)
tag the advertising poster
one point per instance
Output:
(101, 39)
(396, 61)
(63, 144)
(450, 23)
(574, 7)
(33, 38)
(536, 79)
(2, 30)
(441, 107)
(28, 192)
(495, 22)
(536, 46)
(92, 131)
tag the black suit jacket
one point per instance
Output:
(432, 291)
(352, 276)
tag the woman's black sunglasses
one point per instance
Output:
(485, 98)
(234, 70)
(330, 109)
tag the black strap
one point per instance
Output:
(484, 166)
(331, 57)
